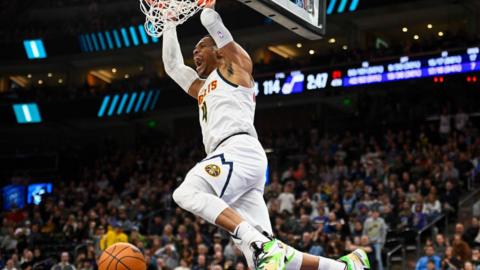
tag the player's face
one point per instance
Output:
(205, 57)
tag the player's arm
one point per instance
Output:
(184, 76)
(227, 47)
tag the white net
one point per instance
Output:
(164, 14)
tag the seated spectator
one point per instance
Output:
(472, 232)
(114, 235)
(461, 250)
(169, 254)
(286, 198)
(468, 266)
(432, 207)
(450, 199)
(26, 260)
(422, 263)
(405, 216)
(431, 265)
(10, 265)
(440, 245)
(475, 258)
(201, 263)
(64, 263)
(183, 265)
(419, 219)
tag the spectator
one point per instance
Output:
(449, 261)
(450, 199)
(10, 265)
(472, 231)
(475, 258)
(431, 265)
(114, 235)
(160, 264)
(286, 198)
(64, 263)
(461, 250)
(183, 265)
(9, 242)
(169, 255)
(376, 230)
(440, 245)
(419, 219)
(461, 120)
(444, 124)
(422, 263)
(432, 207)
(27, 259)
(201, 263)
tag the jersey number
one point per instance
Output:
(204, 111)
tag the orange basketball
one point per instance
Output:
(122, 256)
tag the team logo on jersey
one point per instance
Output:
(213, 170)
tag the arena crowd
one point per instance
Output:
(327, 195)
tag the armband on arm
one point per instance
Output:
(213, 23)
(173, 61)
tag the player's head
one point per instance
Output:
(206, 56)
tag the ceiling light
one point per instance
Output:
(29, 76)
(345, 47)
(299, 45)
(60, 81)
(404, 29)
(440, 34)
(114, 70)
(127, 76)
(279, 51)
(416, 37)
(311, 52)
(429, 26)
(40, 82)
(49, 75)
(102, 75)
(331, 41)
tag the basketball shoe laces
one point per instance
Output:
(270, 255)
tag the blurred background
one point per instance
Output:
(378, 121)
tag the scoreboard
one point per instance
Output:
(403, 68)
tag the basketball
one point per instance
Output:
(122, 256)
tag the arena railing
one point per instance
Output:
(425, 229)
(400, 247)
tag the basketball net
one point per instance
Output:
(162, 15)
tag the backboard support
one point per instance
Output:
(308, 20)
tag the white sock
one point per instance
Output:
(248, 234)
(297, 258)
(329, 264)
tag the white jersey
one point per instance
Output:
(225, 109)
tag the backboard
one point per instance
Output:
(305, 17)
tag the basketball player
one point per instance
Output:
(226, 188)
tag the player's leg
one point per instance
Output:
(197, 196)
(253, 208)
(220, 180)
